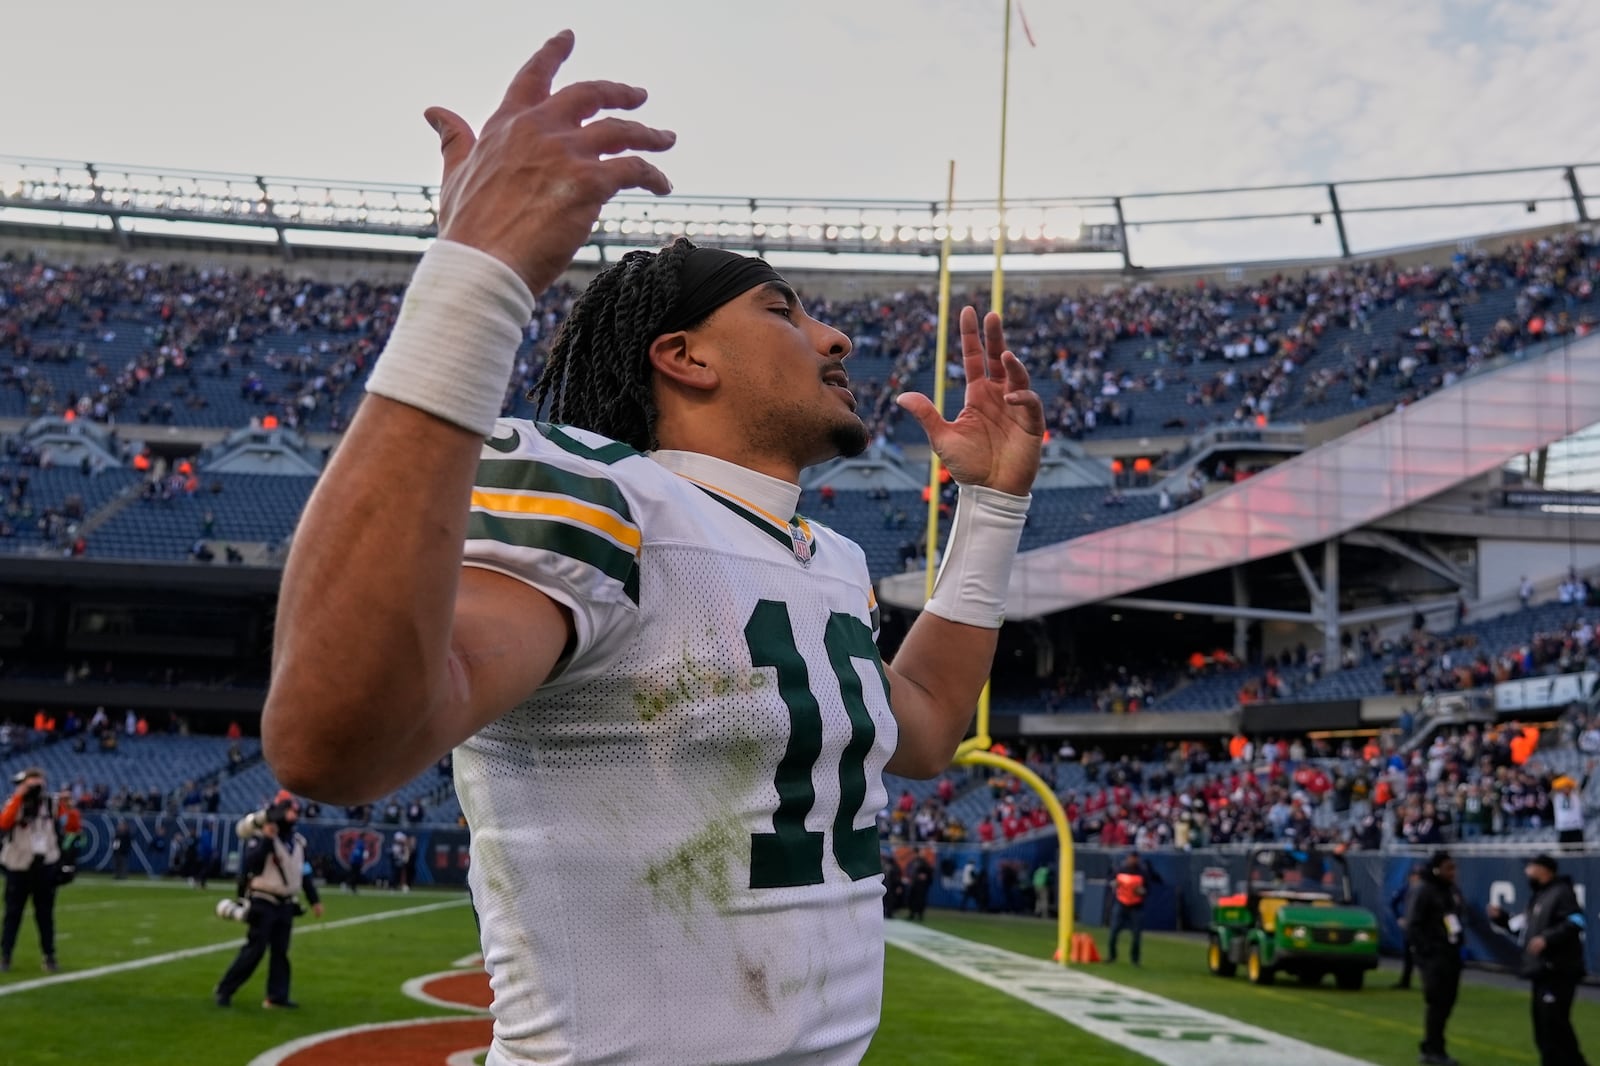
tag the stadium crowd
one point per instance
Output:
(1465, 784)
(1236, 351)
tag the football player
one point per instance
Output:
(670, 718)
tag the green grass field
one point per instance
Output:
(351, 974)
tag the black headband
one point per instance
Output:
(709, 278)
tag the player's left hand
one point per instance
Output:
(1536, 946)
(316, 908)
(996, 439)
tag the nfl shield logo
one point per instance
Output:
(802, 549)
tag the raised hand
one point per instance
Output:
(528, 188)
(995, 440)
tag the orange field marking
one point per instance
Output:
(421, 1042)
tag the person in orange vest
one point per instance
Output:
(1129, 888)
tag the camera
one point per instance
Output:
(233, 910)
(32, 797)
(278, 813)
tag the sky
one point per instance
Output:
(867, 98)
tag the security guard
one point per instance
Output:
(273, 868)
(1434, 929)
(1552, 931)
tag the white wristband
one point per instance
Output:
(976, 572)
(454, 344)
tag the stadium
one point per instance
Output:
(1311, 569)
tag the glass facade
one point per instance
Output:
(1456, 434)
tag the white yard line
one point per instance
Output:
(1162, 1030)
(210, 949)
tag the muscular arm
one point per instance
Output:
(995, 443)
(387, 653)
(934, 684)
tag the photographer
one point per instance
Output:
(272, 871)
(31, 822)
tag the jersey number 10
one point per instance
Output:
(790, 855)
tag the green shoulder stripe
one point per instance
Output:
(604, 453)
(542, 477)
(560, 539)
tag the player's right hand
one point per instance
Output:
(528, 188)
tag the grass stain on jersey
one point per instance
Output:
(697, 869)
(692, 680)
(754, 978)
(746, 762)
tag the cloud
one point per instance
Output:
(846, 98)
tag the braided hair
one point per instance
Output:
(598, 374)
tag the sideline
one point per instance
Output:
(209, 949)
(1476, 973)
(1162, 1030)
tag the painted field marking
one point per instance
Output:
(210, 949)
(1162, 1030)
(417, 988)
(472, 1030)
(105, 904)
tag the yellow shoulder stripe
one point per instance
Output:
(559, 507)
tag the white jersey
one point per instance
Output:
(674, 851)
(1566, 806)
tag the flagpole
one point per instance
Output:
(997, 297)
(941, 356)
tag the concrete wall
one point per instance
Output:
(1502, 563)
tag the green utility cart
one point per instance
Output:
(1297, 915)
